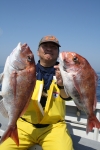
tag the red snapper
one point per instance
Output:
(80, 81)
(18, 81)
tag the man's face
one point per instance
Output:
(48, 51)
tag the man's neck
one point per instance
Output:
(47, 64)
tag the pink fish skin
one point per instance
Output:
(80, 81)
(19, 78)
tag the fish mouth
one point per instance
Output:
(63, 58)
(17, 64)
(62, 62)
(65, 64)
(15, 60)
(64, 68)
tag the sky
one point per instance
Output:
(75, 23)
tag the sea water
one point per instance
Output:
(98, 87)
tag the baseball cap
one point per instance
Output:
(49, 38)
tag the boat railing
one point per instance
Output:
(76, 122)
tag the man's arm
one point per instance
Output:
(64, 96)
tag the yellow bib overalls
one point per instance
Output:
(53, 137)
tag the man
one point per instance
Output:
(43, 121)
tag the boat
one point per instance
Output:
(76, 122)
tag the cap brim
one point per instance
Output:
(50, 41)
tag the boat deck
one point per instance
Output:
(79, 143)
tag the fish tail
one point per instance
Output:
(92, 122)
(12, 133)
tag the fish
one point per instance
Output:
(80, 82)
(18, 80)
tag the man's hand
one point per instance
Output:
(63, 94)
(58, 75)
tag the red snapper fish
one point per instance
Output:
(80, 82)
(18, 81)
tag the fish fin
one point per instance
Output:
(95, 102)
(3, 111)
(13, 82)
(92, 122)
(12, 133)
(1, 77)
(96, 84)
(77, 86)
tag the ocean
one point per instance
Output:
(98, 87)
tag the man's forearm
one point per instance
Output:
(64, 95)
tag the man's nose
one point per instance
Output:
(49, 48)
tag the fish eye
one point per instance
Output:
(75, 59)
(29, 58)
